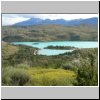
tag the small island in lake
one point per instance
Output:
(36, 43)
(61, 47)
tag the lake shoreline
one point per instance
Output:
(57, 48)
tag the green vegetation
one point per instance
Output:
(87, 76)
(20, 67)
(37, 77)
(14, 76)
(49, 33)
(51, 77)
(60, 47)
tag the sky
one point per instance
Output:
(10, 19)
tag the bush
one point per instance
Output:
(14, 76)
(87, 75)
(6, 71)
(23, 66)
(67, 66)
(19, 77)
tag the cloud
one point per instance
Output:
(65, 16)
(10, 19)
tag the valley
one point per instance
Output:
(54, 51)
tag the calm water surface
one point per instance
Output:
(42, 45)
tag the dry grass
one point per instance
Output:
(51, 77)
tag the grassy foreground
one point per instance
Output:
(37, 77)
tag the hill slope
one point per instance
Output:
(49, 33)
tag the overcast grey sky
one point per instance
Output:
(10, 19)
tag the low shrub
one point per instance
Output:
(14, 76)
(67, 66)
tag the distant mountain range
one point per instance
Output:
(37, 21)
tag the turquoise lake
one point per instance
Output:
(48, 52)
